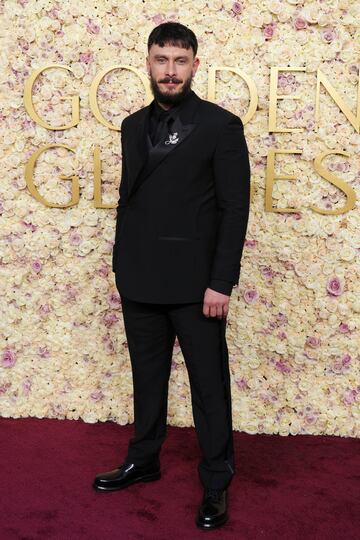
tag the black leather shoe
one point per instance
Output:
(213, 509)
(125, 475)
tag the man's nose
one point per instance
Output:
(171, 71)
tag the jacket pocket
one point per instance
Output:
(174, 238)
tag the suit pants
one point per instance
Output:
(151, 330)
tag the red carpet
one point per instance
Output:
(303, 487)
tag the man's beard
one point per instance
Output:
(170, 98)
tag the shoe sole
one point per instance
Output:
(207, 526)
(145, 478)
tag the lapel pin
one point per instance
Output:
(173, 138)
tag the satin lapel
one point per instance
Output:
(145, 162)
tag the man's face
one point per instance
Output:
(171, 70)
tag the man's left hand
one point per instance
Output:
(216, 304)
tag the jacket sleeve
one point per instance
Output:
(122, 202)
(231, 169)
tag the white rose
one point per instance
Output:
(87, 307)
(86, 247)
(91, 217)
(347, 253)
(254, 362)
(251, 427)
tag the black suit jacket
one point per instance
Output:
(184, 205)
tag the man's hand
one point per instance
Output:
(215, 304)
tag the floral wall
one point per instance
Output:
(293, 327)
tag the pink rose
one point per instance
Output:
(281, 319)
(108, 344)
(313, 342)
(281, 366)
(158, 18)
(53, 13)
(71, 292)
(350, 397)
(8, 358)
(75, 238)
(334, 286)
(26, 386)
(44, 309)
(346, 360)
(44, 352)
(267, 272)
(328, 34)
(251, 243)
(4, 388)
(110, 318)
(36, 266)
(97, 395)
(114, 299)
(300, 23)
(268, 31)
(103, 270)
(250, 296)
(92, 28)
(344, 328)
(310, 418)
(86, 57)
(242, 384)
(236, 8)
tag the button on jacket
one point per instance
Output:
(184, 203)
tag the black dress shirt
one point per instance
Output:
(159, 115)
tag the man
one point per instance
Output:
(181, 225)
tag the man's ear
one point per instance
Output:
(196, 64)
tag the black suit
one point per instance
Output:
(181, 224)
(183, 207)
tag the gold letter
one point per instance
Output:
(97, 181)
(348, 190)
(29, 170)
(95, 84)
(274, 71)
(29, 106)
(354, 121)
(250, 83)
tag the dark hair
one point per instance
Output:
(173, 33)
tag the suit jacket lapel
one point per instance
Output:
(144, 157)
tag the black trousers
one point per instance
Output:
(151, 330)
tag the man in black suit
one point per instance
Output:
(181, 224)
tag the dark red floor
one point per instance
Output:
(293, 488)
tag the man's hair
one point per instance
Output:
(175, 34)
